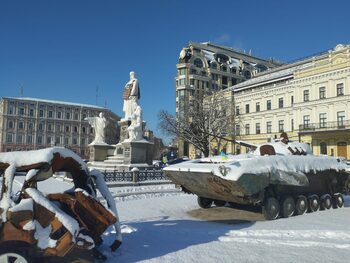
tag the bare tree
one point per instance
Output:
(202, 122)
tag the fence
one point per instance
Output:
(134, 176)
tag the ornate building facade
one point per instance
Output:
(205, 67)
(308, 99)
(30, 123)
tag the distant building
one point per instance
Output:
(309, 99)
(30, 123)
(205, 67)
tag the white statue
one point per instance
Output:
(135, 128)
(130, 96)
(99, 124)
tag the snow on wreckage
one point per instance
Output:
(283, 177)
(55, 223)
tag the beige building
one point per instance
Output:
(30, 123)
(308, 99)
(204, 67)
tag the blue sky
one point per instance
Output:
(64, 49)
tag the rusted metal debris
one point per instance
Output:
(81, 205)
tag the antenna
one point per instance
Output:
(21, 90)
(97, 94)
(106, 104)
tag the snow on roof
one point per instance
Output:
(56, 102)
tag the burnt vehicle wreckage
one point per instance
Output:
(283, 178)
(34, 225)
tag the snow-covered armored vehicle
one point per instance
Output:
(34, 224)
(282, 177)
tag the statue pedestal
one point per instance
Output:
(135, 152)
(99, 152)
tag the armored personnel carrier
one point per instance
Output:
(282, 177)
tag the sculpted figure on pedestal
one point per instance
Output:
(131, 96)
(99, 124)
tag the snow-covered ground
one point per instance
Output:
(157, 227)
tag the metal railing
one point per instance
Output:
(332, 125)
(134, 176)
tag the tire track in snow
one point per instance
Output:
(294, 238)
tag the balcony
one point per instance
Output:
(324, 126)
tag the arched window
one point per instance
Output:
(213, 65)
(247, 74)
(198, 63)
(323, 148)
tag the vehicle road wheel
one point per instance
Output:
(326, 202)
(314, 203)
(301, 205)
(18, 252)
(338, 200)
(219, 202)
(271, 209)
(204, 202)
(288, 207)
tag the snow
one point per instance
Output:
(161, 230)
(254, 164)
(70, 223)
(42, 235)
(24, 204)
(31, 173)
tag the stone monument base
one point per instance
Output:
(99, 152)
(135, 152)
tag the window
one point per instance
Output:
(40, 139)
(29, 139)
(182, 82)
(40, 127)
(50, 114)
(268, 127)
(323, 148)
(21, 125)
(224, 68)
(292, 124)
(268, 105)
(323, 119)
(75, 128)
(341, 118)
(247, 129)
(31, 112)
(30, 126)
(198, 63)
(306, 121)
(49, 140)
(84, 116)
(49, 127)
(21, 111)
(306, 95)
(58, 128)
(281, 125)
(182, 71)
(257, 106)
(238, 129)
(58, 140)
(9, 138)
(322, 92)
(82, 141)
(67, 128)
(84, 129)
(247, 108)
(66, 141)
(237, 110)
(340, 89)
(257, 128)
(19, 139)
(213, 65)
(67, 115)
(10, 124)
(59, 115)
(10, 110)
(292, 100)
(280, 103)
(76, 116)
(41, 113)
(75, 141)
